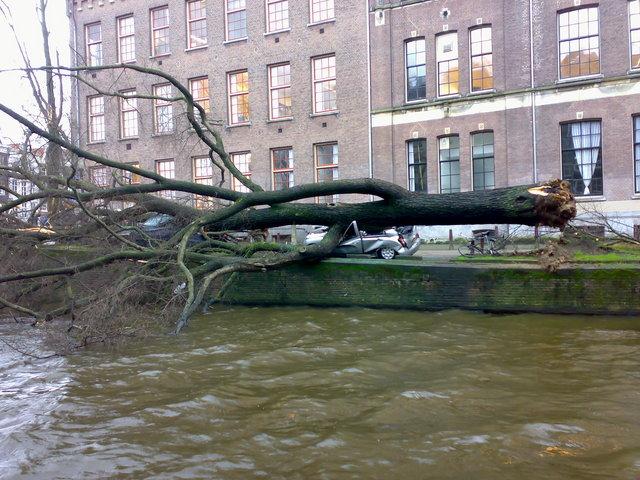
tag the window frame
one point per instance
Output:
(459, 175)
(268, 3)
(231, 96)
(123, 111)
(200, 100)
(90, 118)
(315, 82)
(272, 89)
(200, 201)
(120, 37)
(601, 156)
(228, 12)
(636, 151)
(274, 171)
(631, 43)
(483, 158)
(168, 194)
(236, 185)
(130, 178)
(157, 104)
(410, 186)
(559, 41)
(439, 94)
(104, 175)
(153, 29)
(312, 12)
(88, 45)
(406, 69)
(472, 56)
(333, 166)
(190, 21)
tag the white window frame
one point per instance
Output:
(204, 101)
(442, 57)
(89, 44)
(634, 68)
(201, 201)
(169, 173)
(290, 169)
(228, 12)
(559, 41)
(232, 95)
(273, 89)
(267, 7)
(190, 21)
(333, 166)
(312, 12)
(235, 158)
(121, 37)
(91, 118)
(128, 106)
(472, 56)
(155, 29)
(316, 82)
(160, 104)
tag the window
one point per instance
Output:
(636, 145)
(481, 59)
(282, 164)
(236, 19)
(324, 84)
(95, 105)
(130, 178)
(166, 168)
(416, 64)
(129, 115)
(242, 161)
(634, 25)
(326, 156)
(99, 176)
(280, 91)
(449, 152)
(162, 109)
(160, 31)
(483, 161)
(322, 10)
(447, 59)
(238, 97)
(203, 175)
(277, 15)
(582, 157)
(199, 89)
(196, 23)
(417, 164)
(126, 39)
(93, 35)
(579, 42)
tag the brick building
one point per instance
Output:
(436, 95)
(472, 95)
(287, 82)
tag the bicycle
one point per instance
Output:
(484, 242)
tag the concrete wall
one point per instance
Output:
(414, 285)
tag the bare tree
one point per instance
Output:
(176, 276)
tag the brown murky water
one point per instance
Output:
(331, 394)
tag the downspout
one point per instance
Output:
(75, 136)
(534, 122)
(370, 133)
(391, 92)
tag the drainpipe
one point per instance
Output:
(370, 133)
(534, 126)
(392, 90)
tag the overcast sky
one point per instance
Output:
(14, 90)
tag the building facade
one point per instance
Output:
(435, 95)
(494, 93)
(285, 81)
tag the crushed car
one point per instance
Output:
(386, 244)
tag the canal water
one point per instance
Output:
(302, 393)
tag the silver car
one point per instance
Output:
(387, 244)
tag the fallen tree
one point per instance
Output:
(175, 272)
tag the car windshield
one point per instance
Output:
(157, 220)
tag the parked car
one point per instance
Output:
(159, 227)
(386, 244)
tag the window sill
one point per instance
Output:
(237, 40)
(236, 125)
(591, 198)
(482, 92)
(275, 32)
(634, 72)
(193, 49)
(322, 22)
(128, 63)
(99, 142)
(278, 120)
(166, 134)
(414, 102)
(128, 139)
(635, 196)
(449, 97)
(585, 78)
(324, 114)
(152, 57)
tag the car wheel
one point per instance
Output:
(386, 253)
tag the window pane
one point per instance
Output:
(579, 42)
(449, 153)
(582, 157)
(416, 70)
(483, 161)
